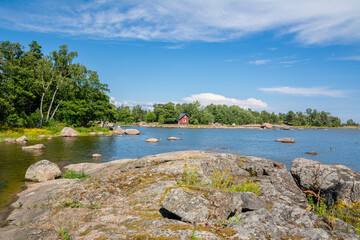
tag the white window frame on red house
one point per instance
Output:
(184, 120)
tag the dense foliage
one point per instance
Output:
(36, 89)
(169, 113)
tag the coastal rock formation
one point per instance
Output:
(21, 139)
(43, 170)
(152, 140)
(147, 198)
(119, 130)
(173, 138)
(334, 182)
(267, 126)
(286, 140)
(10, 140)
(35, 147)
(69, 132)
(132, 132)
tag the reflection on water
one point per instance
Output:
(14, 161)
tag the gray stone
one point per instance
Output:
(69, 132)
(132, 132)
(43, 170)
(22, 139)
(334, 182)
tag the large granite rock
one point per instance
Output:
(132, 132)
(69, 132)
(333, 182)
(43, 170)
(119, 130)
(267, 126)
(22, 139)
(141, 199)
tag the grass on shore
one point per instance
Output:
(72, 174)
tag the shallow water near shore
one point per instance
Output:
(251, 142)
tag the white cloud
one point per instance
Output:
(272, 49)
(211, 98)
(260, 62)
(311, 22)
(315, 91)
(348, 58)
(130, 103)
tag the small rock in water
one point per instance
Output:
(41, 136)
(36, 147)
(132, 132)
(92, 133)
(173, 138)
(181, 133)
(22, 139)
(10, 140)
(333, 149)
(69, 132)
(312, 153)
(100, 133)
(152, 140)
(96, 155)
(109, 135)
(286, 140)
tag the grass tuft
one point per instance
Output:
(72, 174)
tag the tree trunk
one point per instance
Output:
(52, 101)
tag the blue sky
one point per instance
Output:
(274, 55)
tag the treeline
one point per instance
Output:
(169, 113)
(37, 89)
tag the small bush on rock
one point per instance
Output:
(73, 174)
(219, 180)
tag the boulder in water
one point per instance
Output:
(69, 132)
(21, 139)
(35, 147)
(43, 170)
(286, 140)
(132, 132)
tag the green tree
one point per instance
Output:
(150, 117)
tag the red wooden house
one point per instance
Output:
(183, 118)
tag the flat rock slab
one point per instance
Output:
(152, 140)
(97, 155)
(43, 170)
(285, 140)
(312, 153)
(10, 140)
(173, 138)
(34, 147)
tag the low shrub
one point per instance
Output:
(72, 174)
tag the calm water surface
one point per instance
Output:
(14, 161)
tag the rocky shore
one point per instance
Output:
(146, 198)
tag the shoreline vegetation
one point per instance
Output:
(55, 131)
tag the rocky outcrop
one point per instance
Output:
(333, 182)
(143, 199)
(34, 147)
(267, 126)
(152, 140)
(173, 138)
(196, 204)
(132, 132)
(286, 140)
(119, 130)
(22, 139)
(69, 132)
(43, 170)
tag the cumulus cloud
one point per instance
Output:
(311, 22)
(315, 91)
(211, 98)
(130, 103)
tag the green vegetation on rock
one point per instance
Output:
(73, 174)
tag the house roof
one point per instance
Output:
(182, 115)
